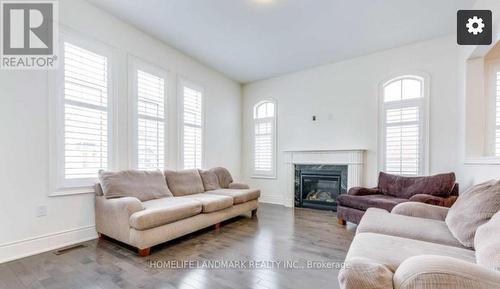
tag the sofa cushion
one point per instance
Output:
(164, 211)
(185, 182)
(369, 201)
(382, 222)
(487, 243)
(404, 187)
(391, 251)
(223, 175)
(144, 185)
(239, 196)
(211, 203)
(473, 208)
(210, 180)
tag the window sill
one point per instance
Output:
(72, 191)
(263, 177)
(482, 161)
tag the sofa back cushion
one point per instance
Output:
(144, 185)
(210, 180)
(487, 243)
(473, 208)
(185, 182)
(405, 187)
(224, 176)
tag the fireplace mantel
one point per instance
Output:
(354, 159)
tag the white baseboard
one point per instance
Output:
(271, 200)
(36, 245)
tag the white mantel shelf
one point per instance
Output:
(354, 159)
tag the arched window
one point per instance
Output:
(264, 143)
(404, 125)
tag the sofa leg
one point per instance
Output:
(217, 226)
(341, 221)
(144, 252)
(101, 236)
(254, 213)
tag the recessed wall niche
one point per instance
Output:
(482, 131)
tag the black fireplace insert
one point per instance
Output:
(320, 189)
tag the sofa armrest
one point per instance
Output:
(238, 186)
(442, 272)
(360, 191)
(363, 273)
(434, 200)
(421, 210)
(113, 216)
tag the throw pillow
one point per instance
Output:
(210, 180)
(144, 185)
(473, 208)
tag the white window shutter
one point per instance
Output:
(86, 136)
(150, 121)
(192, 142)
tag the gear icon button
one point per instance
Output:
(475, 25)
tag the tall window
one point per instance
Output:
(149, 91)
(264, 139)
(404, 126)
(86, 133)
(192, 126)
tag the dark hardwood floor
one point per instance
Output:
(277, 234)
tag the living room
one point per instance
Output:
(250, 144)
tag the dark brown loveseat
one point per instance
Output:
(440, 190)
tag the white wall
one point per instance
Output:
(24, 142)
(343, 96)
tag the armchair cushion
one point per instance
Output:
(143, 185)
(443, 272)
(487, 243)
(404, 187)
(434, 200)
(185, 182)
(364, 202)
(421, 210)
(391, 251)
(473, 208)
(360, 191)
(428, 230)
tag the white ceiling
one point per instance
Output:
(248, 40)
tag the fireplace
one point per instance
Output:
(318, 186)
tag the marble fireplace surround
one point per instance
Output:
(354, 159)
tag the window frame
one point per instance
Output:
(273, 172)
(59, 185)
(424, 117)
(181, 83)
(493, 66)
(135, 64)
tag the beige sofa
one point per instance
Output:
(140, 210)
(411, 247)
